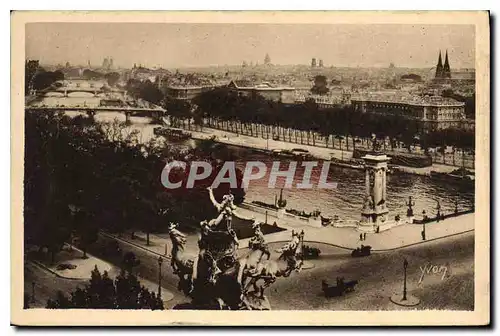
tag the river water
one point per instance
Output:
(345, 200)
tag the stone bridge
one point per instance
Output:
(156, 112)
(65, 91)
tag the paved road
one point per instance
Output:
(381, 274)
(46, 284)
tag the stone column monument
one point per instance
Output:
(374, 216)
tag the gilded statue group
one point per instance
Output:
(217, 278)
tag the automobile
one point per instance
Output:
(300, 150)
(65, 266)
(310, 252)
(362, 251)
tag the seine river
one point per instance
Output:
(345, 200)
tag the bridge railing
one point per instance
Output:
(97, 108)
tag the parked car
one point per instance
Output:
(62, 267)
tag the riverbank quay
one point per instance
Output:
(348, 238)
(397, 237)
(322, 153)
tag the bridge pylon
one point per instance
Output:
(127, 117)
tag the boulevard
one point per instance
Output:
(379, 276)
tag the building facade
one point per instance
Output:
(324, 101)
(433, 112)
(186, 92)
(444, 75)
(285, 95)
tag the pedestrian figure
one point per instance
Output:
(423, 235)
(360, 237)
(364, 236)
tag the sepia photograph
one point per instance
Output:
(303, 168)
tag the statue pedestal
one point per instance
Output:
(370, 220)
(315, 222)
(375, 215)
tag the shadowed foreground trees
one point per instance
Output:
(82, 177)
(125, 292)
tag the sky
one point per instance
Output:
(177, 45)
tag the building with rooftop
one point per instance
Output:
(445, 75)
(282, 94)
(332, 99)
(186, 92)
(433, 112)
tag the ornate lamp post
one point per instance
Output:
(160, 261)
(405, 299)
(405, 266)
(424, 216)
(438, 208)
(410, 204)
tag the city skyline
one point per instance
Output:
(202, 45)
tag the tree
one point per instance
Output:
(146, 90)
(60, 302)
(88, 236)
(44, 79)
(267, 60)
(112, 181)
(31, 67)
(92, 75)
(320, 85)
(412, 77)
(130, 261)
(177, 110)
(125, 292)
(112, 78)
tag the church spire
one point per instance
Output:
(439, 68)
(446, 67)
